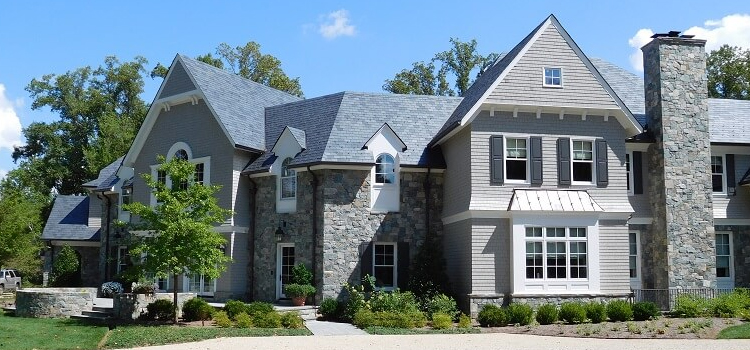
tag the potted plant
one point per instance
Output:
(301, 286)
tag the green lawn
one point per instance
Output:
(405, 331)
(17, 333)
(736, 332)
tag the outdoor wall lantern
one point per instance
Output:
(732, 191)
(279, 232)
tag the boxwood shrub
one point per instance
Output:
(492, 316)
(573, 312)
(619, 311)
(547, 314)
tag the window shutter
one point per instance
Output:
(602, 173)
(637, 171)
(563, 161)
(536, 160)
(496, 160)
(365, 260)
(402, 280)
(731, 180)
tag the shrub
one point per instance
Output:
(235, 307)
(142, 288)
(572, 312)
(292, 320)
(258, 307)
(596, 312)
(441, 321)
(730, 304)
(444, 304)
(417, 318)
(395, 301)
(364, 318)
(400, 319)
(222, 319)
(330, 308)
(355, 302)
(301, 275)
(464, 321)
(299, 290)
(492, 316)
(645, 310)
(65, 268)
(619, 311)
(196, 309)
(520, 314)
(267, 320)
(687, 305)
(162, 309)
(547, 314)
(243, 320)
(109, 289)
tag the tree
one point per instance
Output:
(180, 237)
(423, 79)
(66, 270)
(729, 73)
(21, 225)
(100, 112)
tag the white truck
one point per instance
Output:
(9, 279)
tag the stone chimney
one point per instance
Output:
(679, 248)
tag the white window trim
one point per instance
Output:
(727, 282)
(375, 173)
(505, 159)
(567, 239)
(593, 161)
(121, 254)
(395, 264)
(544, 78)
(723, 173)
(637, 281)
(629, 172)
(168, 182)
(281, 180)
(385, 189)
(523, 286)
(187, 278)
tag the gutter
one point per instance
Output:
(316, 183)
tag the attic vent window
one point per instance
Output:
(552, 77)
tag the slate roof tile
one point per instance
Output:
(68, 220)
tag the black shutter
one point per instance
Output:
(636, 169)
(731, 181)
(563, 161)
(602, 173)
(536, 160)
(496, 160)
(402, 281)
(365, 260)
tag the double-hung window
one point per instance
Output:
(552, 77)
(516, 160)
(556, 253)
(583, 161)
(384, 265)
(717, 173)
(288, 180)
(723, 255)
(199, 173)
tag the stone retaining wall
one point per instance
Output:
(128, 306)
(54, 302)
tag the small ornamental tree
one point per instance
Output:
(177, 235)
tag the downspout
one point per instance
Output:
(427, 188)
(316, 183)
(251, 238)
(106, 241)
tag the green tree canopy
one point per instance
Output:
(427, 79)
(729, 73)
(180, 236)
(21, 223)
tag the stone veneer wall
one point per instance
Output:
(741, 252)
(682, 233)
(54, 302)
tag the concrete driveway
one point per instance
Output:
(493, 341)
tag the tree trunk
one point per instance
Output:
(174, 295)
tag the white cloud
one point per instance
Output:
(337, 24)
(10, 125)
(3, 172)
(732, 30)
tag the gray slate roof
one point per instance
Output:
(729, 119)
(238, 102)
(107, 177)
(337, 126)
(68, 220)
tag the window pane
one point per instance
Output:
(577, 232)
(533, 232)
(582, 171)
(633, 267)
(384, 276)
(534, 260)
(717, 183)
(556, 260)
(384, 169)
(555, 232)
(515, 170)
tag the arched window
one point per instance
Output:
(181, 154)
(384, 169)
(288, 180)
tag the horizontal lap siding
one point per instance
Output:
(640, 202)
(457, 154)
(457, 252)
(178, 82)
(523, 83)
(487, 196)
(490, 241)
(613, 257)
(735, 207)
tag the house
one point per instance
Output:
(554, 177)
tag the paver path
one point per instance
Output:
(332, 328)
(493, 341)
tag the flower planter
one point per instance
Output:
(298, 301)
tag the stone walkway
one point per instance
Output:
(332, 328)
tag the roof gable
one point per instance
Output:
(288, 136)
(107, 177)
(387, 133)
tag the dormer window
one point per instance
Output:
(181, 154)
(384, 169)
(552, 77)
(288, 180)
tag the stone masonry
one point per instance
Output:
(681, 238)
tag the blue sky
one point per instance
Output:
(330, 45)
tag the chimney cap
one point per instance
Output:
(672, 34)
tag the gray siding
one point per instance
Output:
(95, 211)
(735, 207)
(640, 202)
(613, 257)
(457, 154)
(179, 82)
(612, 198)
(241, 189)
(523, 83)
(457, 252)
(490, 251)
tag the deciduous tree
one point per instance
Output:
(729, 73)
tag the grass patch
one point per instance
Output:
(736, 332)
(129, 336)
(47, 334)
(412, 331)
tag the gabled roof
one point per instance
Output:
(297, 134)
(68, 220)
(386, 129)
(486, 83)
(336, 126)
(107, 177)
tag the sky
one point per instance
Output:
(331, 46)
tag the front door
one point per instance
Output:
(284, 265)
